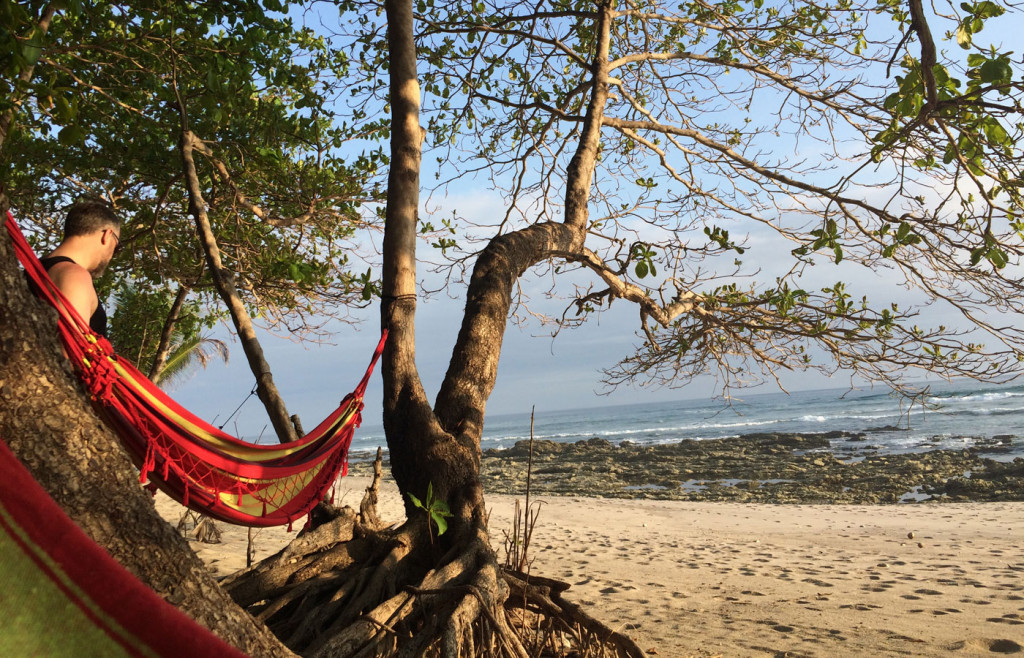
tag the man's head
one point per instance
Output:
(96, 225)
(88, 217)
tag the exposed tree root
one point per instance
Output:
(348, 589)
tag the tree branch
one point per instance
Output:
(164, 347)
(7, 118)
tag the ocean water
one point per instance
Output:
(958, 416)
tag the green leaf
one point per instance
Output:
(996, 71)
(998, 258)
(963, 36)
(442, 524)
(641, 269)
(415, 501)
(996, 134)
(30, 52)
(71, 136)
(987, 9)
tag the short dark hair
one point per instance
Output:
(88, 217)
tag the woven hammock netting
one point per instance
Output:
(192, 461)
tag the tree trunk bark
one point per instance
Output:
(224, 281)
(474, 365)
(580, 172)
(46, 419)
(422, 453)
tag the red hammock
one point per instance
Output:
(189, 459)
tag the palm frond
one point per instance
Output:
(189, 356)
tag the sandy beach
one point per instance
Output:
(731, 579)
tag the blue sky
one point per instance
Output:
(535, 370)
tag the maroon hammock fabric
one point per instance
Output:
(61, 594)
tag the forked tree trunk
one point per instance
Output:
(345, 588)
(440, 445)
(46, 419)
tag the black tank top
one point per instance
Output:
(98, 321)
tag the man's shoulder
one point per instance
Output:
(65, 267)
(68, 273)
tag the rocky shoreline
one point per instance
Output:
(755, 468)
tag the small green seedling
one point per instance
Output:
(437, 510)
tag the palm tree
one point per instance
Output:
(161, 328)
(186, 356)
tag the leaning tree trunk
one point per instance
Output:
(47, 420)
(224, 282)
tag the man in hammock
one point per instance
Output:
(92, 237)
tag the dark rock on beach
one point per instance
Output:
(757, 468)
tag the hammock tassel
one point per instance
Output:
(147, 464)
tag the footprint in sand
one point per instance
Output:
(1013, 620)
(992, 646)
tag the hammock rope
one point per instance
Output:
(194, 462)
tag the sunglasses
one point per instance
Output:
(117, 239)
(117, 245)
